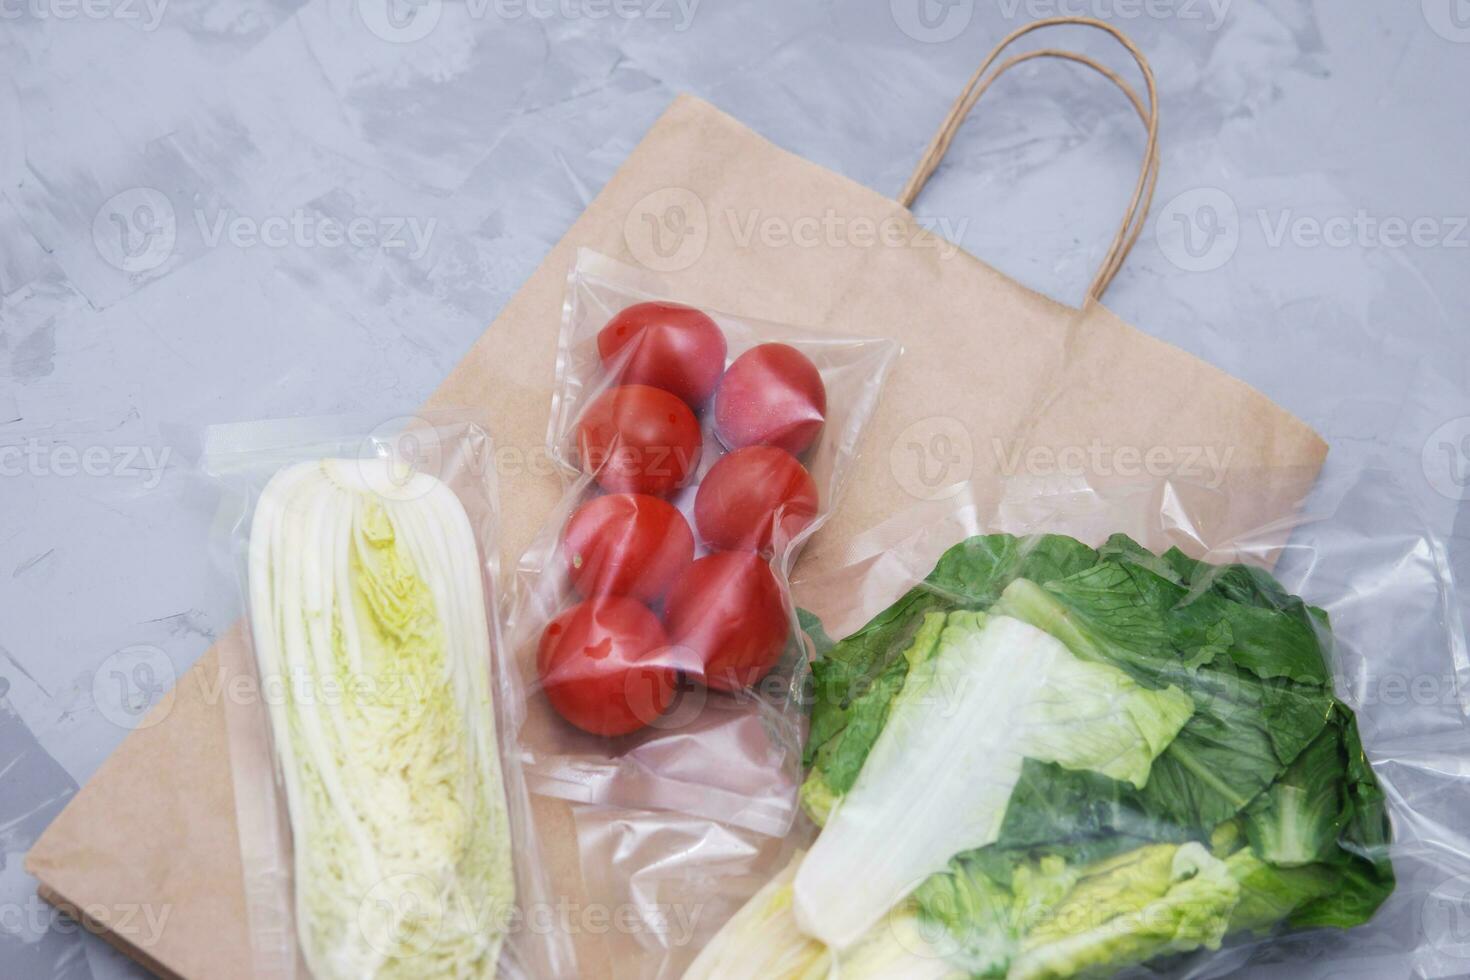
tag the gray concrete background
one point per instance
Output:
(177, 178)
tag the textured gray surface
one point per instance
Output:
(178, 177)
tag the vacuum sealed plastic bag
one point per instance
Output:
(1063, 750)
(384, 832)
(657, 646)
(673, 879)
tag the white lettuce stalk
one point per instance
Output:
(368, 616)
(993, 692)
(936, 782)
(762, 942)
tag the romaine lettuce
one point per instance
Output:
(980, 697)
(1153, 761)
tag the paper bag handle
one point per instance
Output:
(1143, 190)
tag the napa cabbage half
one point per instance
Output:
(368, 620)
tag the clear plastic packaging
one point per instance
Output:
(1392, 637)
(675, 879)
(384, 821)
(737, 436)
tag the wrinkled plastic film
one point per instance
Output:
(730, 755)
(672, 879)
(1359, 548)
(453, 453)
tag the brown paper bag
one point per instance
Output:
(992, 373)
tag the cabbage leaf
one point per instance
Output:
(368, 617)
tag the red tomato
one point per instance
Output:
(601, 666)
(666, 345)
(772, 395)
(627, 544)
(637, 439)
(727, 611)
(754, 498)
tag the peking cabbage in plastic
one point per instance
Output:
(384, 827)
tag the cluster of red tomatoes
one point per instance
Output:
(611, 664)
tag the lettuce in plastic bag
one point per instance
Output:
(1180, 772)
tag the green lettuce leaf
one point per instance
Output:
(1151, 902)
(1299, 818)
(854, 681)
(1245, 730)
(983, 695)
(1095, 718)
(1244, 802)
(1052, 918)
